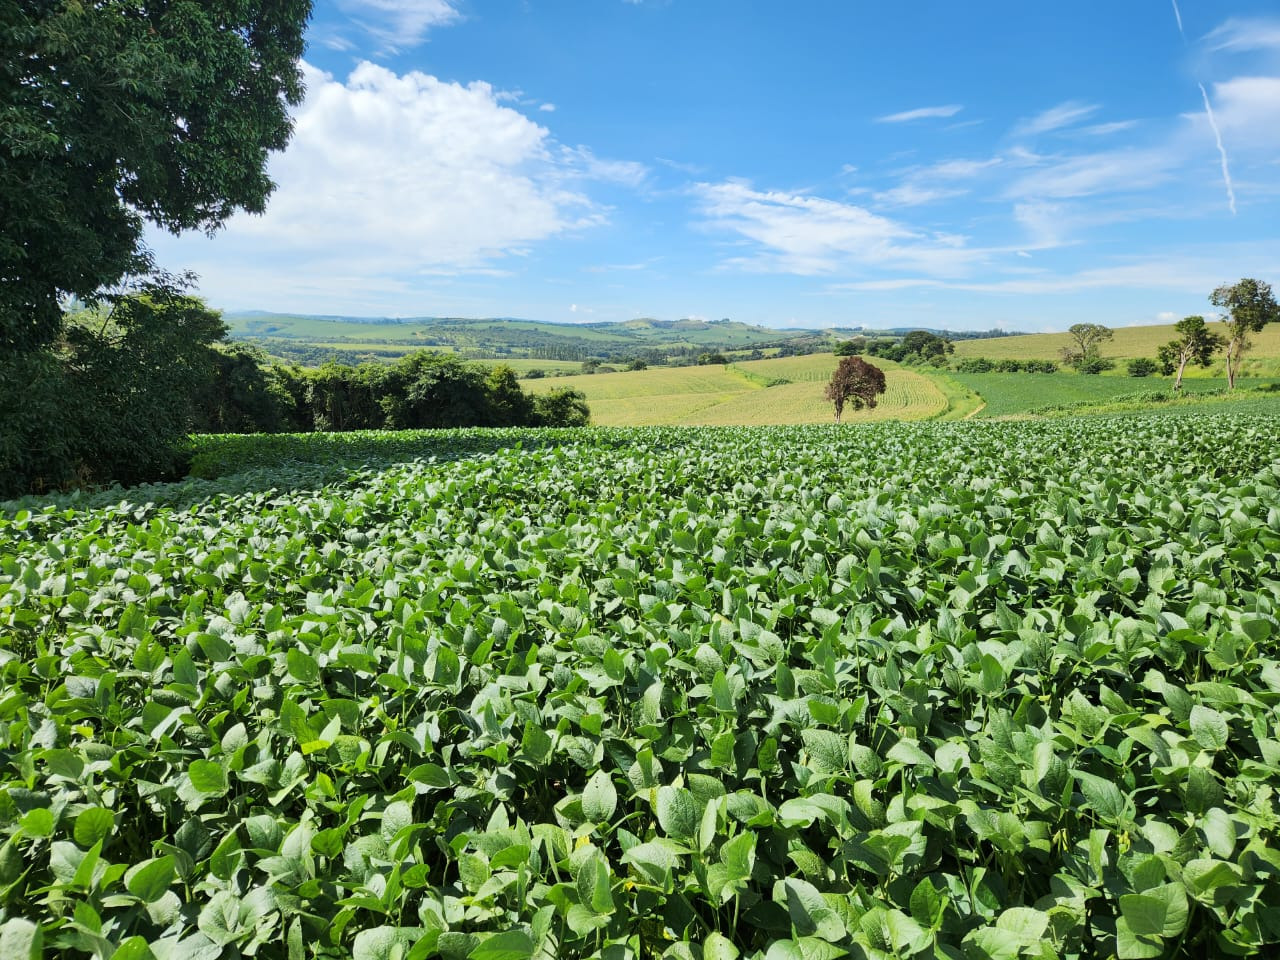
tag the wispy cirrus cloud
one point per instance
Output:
(1055, 118)
(938, 181)
(1084, 175)
(806, 235)
(1245, 34)
(922, 113)
(400, 24)
(1190, 274)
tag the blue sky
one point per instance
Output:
(808, 164)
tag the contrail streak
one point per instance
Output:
(1222, 151)
(1178, 14)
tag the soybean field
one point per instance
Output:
(936, 690)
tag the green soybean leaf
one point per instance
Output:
(599, 798)
(1209, 727)
(150, 880)
(92, 825)
(208, 778)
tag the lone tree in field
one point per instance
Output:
(1249, 307)
(855, 382)
(1195, 344)
(1087, 337)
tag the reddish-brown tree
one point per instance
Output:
(856, 383)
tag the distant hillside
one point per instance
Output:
(305, 339)
(315, 338)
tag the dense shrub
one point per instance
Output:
(1142, 367)
(1095, 365)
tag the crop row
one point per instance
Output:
(950, 690)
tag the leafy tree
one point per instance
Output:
(851, 348)
(1087, 338)
(855, 382)
(509, 406)
(562, 407)
(114, 113)
(121, 111)
(116, 399)
(427, 389)
(246, 395)
(343, 397)
(1195, 343)
(924, 345)
(1249, 306)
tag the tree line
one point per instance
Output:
(125, 384)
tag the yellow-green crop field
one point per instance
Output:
(1263, 359)
(738, 394)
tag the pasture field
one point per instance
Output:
(1263, 360)
(963, 690)
(739, 394)
(1008, 394)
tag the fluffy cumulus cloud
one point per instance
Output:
(391, 174)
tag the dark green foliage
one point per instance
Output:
(1094, 364)
(855, 346)
(709, 358)
(963, 690)
(562, 407)
(1142, 367)
(117, 112)
(117, 399)
(246, 395)
(428, 389)
(508, 405)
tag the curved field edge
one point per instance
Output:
(955, 689)
(780, 391)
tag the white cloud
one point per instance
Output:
(405, 176)
(400, 24)
(1055, 118)
(929, 184)
(1245, 34)
(922, 113)
(807, 235)
(548, 108)
(1188, 274)
(1094, 173)
(1248, 111)
(1104, 129)
(915, 194)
